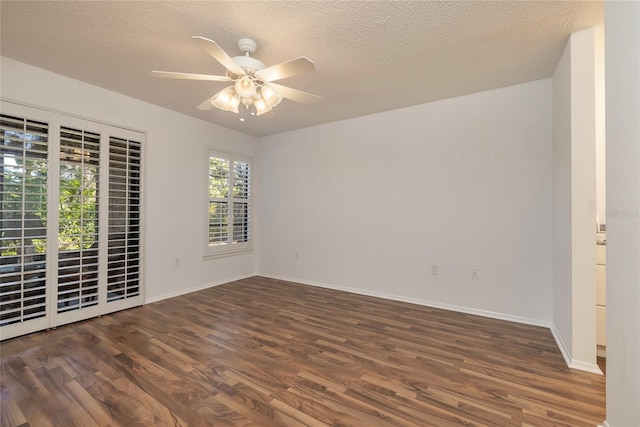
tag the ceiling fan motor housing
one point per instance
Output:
(248, 63)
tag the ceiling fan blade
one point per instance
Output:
(219, 54)
(189, 76)
(283, 70)
(296, 94)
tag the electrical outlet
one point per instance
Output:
(176, 262)
(434, 269)
(296, 255)
(475, 274)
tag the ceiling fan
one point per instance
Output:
(252, 86)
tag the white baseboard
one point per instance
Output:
(586, 367)
(566, 355)
(195, 289)
(572, 363)
(426, 303)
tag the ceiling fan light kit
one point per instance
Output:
(226, 100)
(250, 90)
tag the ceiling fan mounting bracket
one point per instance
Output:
(247, 46)
(248, 63)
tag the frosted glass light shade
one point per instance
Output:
(261, 106)
(270, 96)
(261, 98)
(227, 100)
(245, 87)
(235, 101)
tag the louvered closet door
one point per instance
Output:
(24, 249)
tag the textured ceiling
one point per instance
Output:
(370, 56)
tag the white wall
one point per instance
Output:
(175, 184)
(622, 42)
(601, 137)
(583, 198)
(574, 168)
(369, 204)
(562, 278)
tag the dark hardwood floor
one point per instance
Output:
(262, 352)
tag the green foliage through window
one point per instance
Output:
(78, 194)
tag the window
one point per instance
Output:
(228, 210)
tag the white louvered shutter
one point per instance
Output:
(23, 219)
(241, 173)
(218, 201)
(124, 234)
(78, 227)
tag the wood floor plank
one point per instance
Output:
(11, 414)
(264, 352)
(98, 411)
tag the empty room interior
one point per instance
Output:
(238, 213)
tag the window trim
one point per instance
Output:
(229, 249)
